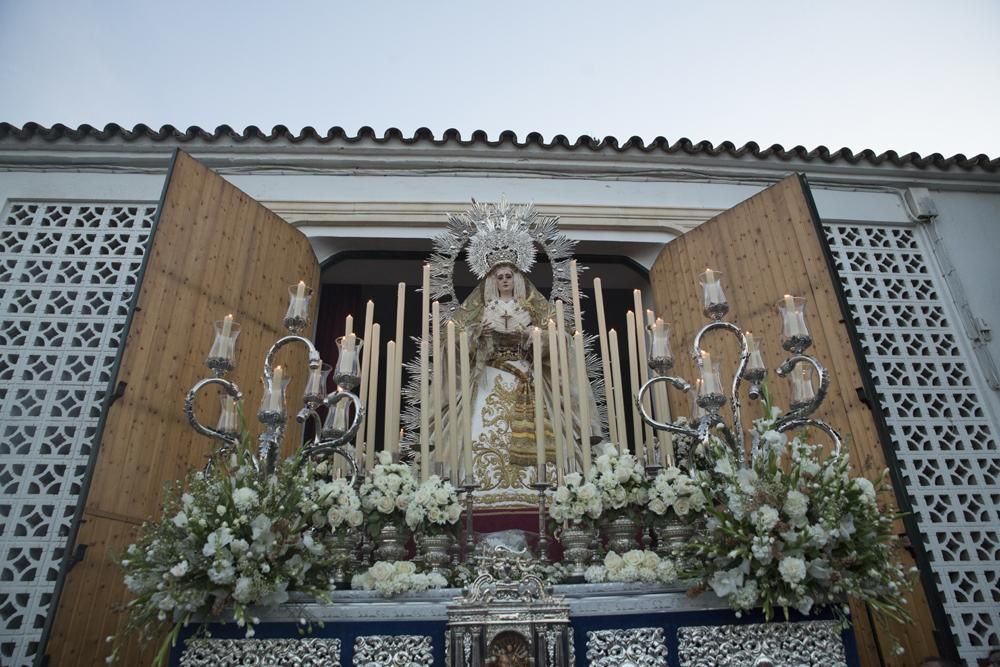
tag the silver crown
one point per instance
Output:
(502, 236)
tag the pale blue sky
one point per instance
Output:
(908, 75)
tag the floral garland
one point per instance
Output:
(435, 507)
(387, 493)
(230, 537)
(795, 530)
(388, 578)
(621, 481)
(576, 501)
(676, 493)
(632, 566)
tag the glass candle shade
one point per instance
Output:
(274, 391)
(229, 416)
(711, 382)
(711, 288)
(793, 316)
(336, 422)
(315, 390)
(756, 361)
(697, 412)
(802, 385)
(224, 345)
(659, 351)
(298, 304)
(348, 373)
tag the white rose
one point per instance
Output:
(682, 506)
(180, 520)
(613, 561)
(633, 558)
(657, 506)
(385, 505)
(792, 569)
(561, 494)
(765, 517)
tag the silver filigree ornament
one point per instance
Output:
(634, 647)
(393, 651)
(502, 237)
(311, 652)
(810, 644)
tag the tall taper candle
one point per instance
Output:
(574, 285)
(616, 376)
(465, 409)
(556, 416)
(397, 397)
(602, 332)
(583, 391)
(538, 385)
(454, 421)
(348, 325)
(425, 450)
(425, 302)
(437, 391)
(567, 387)
(641, 360)
(390, 381)
(365, 365)
(662, 407)
(372, 402)
(633, 372)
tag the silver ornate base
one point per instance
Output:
(620, 534)
(576, 543)
(671, 536)
(434, 551)
(390, 543)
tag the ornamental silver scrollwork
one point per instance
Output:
(312, 652)
(393, 651)
(633, 647)
(812, 644)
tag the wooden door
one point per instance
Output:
(768, 246)
(214, 251)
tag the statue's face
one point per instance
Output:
(505, 280)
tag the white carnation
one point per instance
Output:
(792, 570)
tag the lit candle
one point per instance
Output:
(299, 307)
(366, 361)
(583, 392)
(616, 376)
(390, 381)
(437, 390)
(348, 325)
(454, 422)
(791, 320)
(536, 351)
(713, 290)
(227, 331)
(466, 408)
(347, 354)
(633, 368)
(708, 373)
(276, 381)
(313, 387)
(575, 290)
(602, 333)
(374, 347)
(556, 408)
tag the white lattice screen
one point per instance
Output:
(944, 441)
(67, 272)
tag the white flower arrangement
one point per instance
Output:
(632, 566)
(575, 500)
(621, 481)
(332, 505)
(231, 537)
(796, 530)
(387, 493)
(434, 507)
(389, 578)
(677, 493)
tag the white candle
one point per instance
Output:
(425, 452)
(397, 397)
(390, 381)
(791, 318)
(365, 365)
(583, 391)
(756, 361)
(556, 410)
(348, 325)
(567, 391)
(227, 331)
(437, 391)
(616, 376)
(536, 352)
(466, 408)
(425, 302)
(299, 307)
(660, 393)
(276, 381)
(374, 347)
(633, 369)
(708, 373)
(454, 421)
(642, 364)
(602, 332)
(713, 290)
(347, 353)
(575, 291)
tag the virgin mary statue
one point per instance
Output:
(499, 317)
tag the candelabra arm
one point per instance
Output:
(808, 408)
(270, 445)
(710, 421)
(230, 440)
(305, 414)
(736, 437)
(677, 382)
(789, 424)
(334, 445)
(314, 360)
